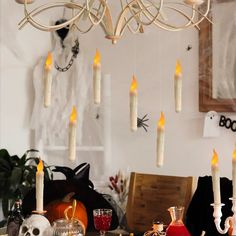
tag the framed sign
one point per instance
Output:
(217, 59)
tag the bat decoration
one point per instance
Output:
(189, 47)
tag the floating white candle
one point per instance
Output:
(215, 178)
(72, 134)
(178, 87)
(48, 80)
(97, 78)
(39, 187)
(133, 105)
(160, 140)
(234, 173)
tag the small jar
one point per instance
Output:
(157, 229)
(63, 227)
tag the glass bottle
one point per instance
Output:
(15, 219)
(177, 227)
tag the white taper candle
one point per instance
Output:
(48, 80)
(215, 178)
(160, 141)
(39, 187)
(234, 173)
(72, 134)
(97, 74)
(178, 87)
(133, 105)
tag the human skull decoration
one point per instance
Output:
(35, 225)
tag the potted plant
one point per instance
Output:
(17, 176)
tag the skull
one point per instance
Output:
(35, 225)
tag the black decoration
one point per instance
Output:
(62, 33)
(75, 51)
(141, 123)
(227, 123)
(189, 47)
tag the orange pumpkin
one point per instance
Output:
(55, 210)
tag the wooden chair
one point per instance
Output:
(151, 195)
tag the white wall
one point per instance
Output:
(152, 58)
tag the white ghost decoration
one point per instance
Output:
(211, 125)
(35, 225)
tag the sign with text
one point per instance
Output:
(227, 123)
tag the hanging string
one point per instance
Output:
(179, 57)
(135, 56)
(159, 61)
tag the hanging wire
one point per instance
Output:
(159, 61)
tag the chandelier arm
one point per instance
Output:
(153, 18)
(36, 12)
(98, 21)
(28, 17)
(159, 8)
(194, 24)
(106, 21)
(154, 21)
(190, 20)
(130, 28)
(122, 21)
(124, 25)
(208, 6)
(136, 17)
(79, 29)
(91, 26)
(145, 9)
(52, 28)
(103, 13)
(83, 31)
(166, 26)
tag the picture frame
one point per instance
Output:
(206, 100)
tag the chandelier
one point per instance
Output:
(133, 15)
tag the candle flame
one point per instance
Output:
(48, 62)
(214, 160)
(134, 84)
(178, 68)
(97, 58)
(73, 114)
(234, 154)
(40, 166)
(161, 122)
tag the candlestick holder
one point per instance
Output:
(217, 214)
(39, 212)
